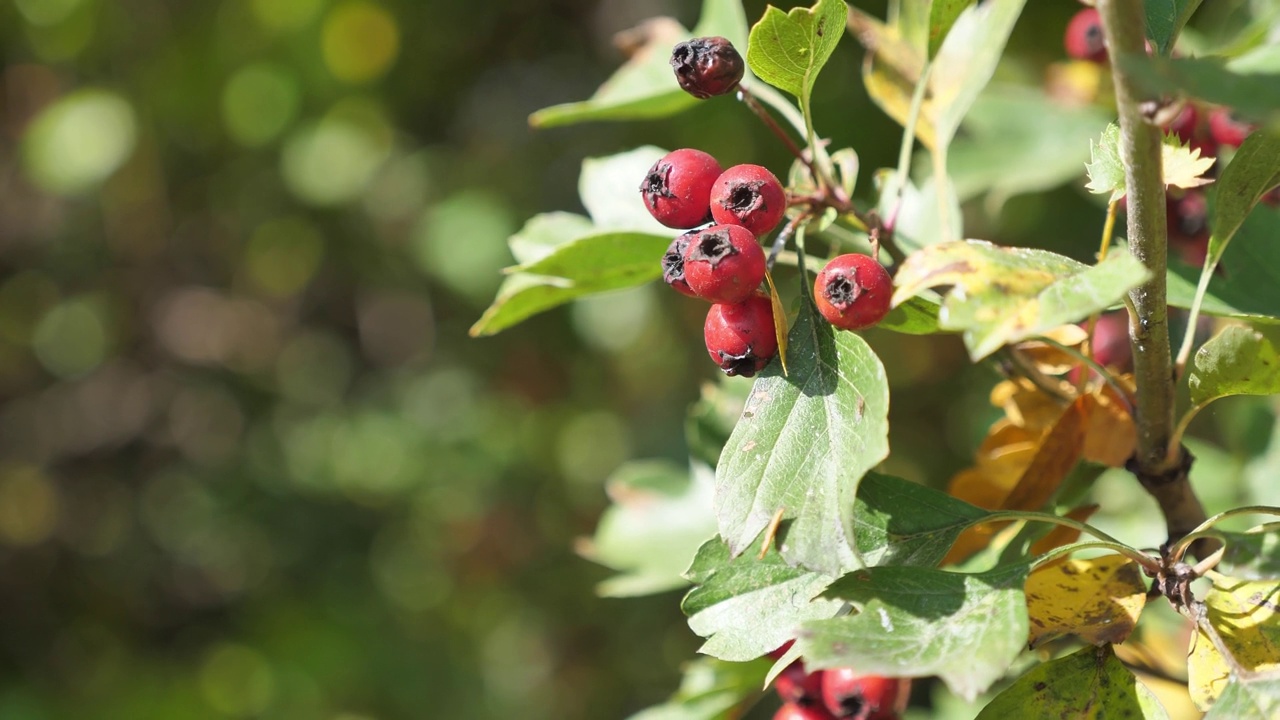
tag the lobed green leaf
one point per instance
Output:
(1238, 361)
(787, 50)
(1089, 683)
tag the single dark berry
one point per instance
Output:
(792, 711)
(847, 694)
(796, 686)
(677, 189)
(707, 66)
(1228, 129)
(853, 292)
(724, 264)
(740, 336)
(750, 196)
(1084, 40)
(673, 264)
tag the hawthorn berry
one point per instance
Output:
(673, 264)
(707, 66)
(848, 694)
(795, 685)
(1227, 129)
(724, 264)
(853, 292)
(791, 711)
(677, 189)
(750, 196)
(740, 336)
(1110, 342)
(1084, 39)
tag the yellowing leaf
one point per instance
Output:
(1003, 295)
(1098, 600)
(1247, 618)
(1025, 404)
(890, 71)
(779, 320)
(1057, 454)
(1111, 436)
(1183, 166)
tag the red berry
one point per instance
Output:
(750, 196)
(677, 188)
(740, 336)
(794, 685)
(673, 264)
(848, 694)
(724, 263)
(781, 650)
(853, 292)
(1110, 342)
(791, 711)
(707, 66)
(1227, 129)
(1084, 40)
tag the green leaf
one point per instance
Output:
(1247, 700)
(897, 522)
(1253, 554)
(1247, 283)
(1181, 164)
(1252, 95)
(802, 445)
(711, 690)
(645, 88)
(917, 224)
(893, 67)
(712, 418)
(967, 60)
(787, 50)
(1089, 683)
(1253, 171)
(1001, 295)
(611, 261)
(942, 15)
(1165, 19)
(610, 190)
(916, 316)
(746, 607)
(661, 515)
(913, 622)
(1238, 361)
(620, 259)
(1019, 140)
(543, 233)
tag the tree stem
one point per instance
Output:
(1163, 474)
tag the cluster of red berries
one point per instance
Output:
(838, 694)
(724, 263)
(1208, 128)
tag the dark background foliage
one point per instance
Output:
(251, 465)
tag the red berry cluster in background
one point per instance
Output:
(1207, 128)
(838, 694)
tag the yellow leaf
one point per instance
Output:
(1057, 454)
(1111, 435)
(1247, 618)
(1183, 166)
(890, 72)
(1098, 600)
(779, 321)
(1025, 404)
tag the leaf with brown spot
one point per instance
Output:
(1246, 616)
(1098, 600)
(1090, 684)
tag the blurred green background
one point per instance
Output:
(251, 465)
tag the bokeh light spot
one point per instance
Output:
(332, 161)
(47, 12)
(462, 242)
(28, 506)
(79, 141)
(360, 41)
(237, 680)
(71, 339)
(258, 102)
(614, 321)
(284, 254)
(285, 14)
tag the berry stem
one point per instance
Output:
(746, 96)
(1166, 480)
